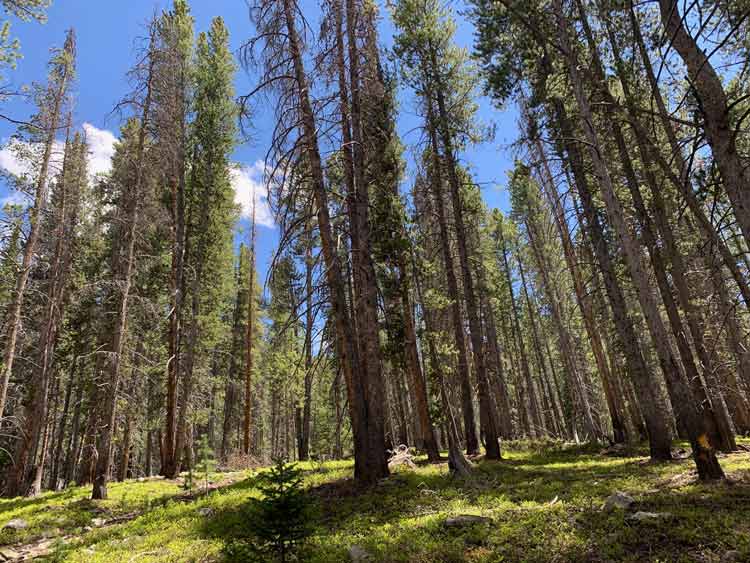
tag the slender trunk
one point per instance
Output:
(62, 425)
(738, 378)
(457, 463)
(249, 342)
(486, 416)
(693, 415)
(304, 446)
(365, 409)
(36, 215)
(537, 344)
(419, 385)
(230, 389)
(126, 446)
(71, 455)
(119, 329)
(716, 112)
(567, 347)
(537, 425)
(592, 331)
(505, 421)
(717, 409)
(467, 403)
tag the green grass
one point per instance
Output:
(545, 506)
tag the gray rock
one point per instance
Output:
(8, 554)
(96, 522)
(619, 500)
(358, 554)
(730, 556)
(464, 520)
(649, 516)
(87, 528)
(206, 511)
(16, 524)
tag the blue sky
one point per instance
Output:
(107, 32)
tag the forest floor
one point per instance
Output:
(539, 505)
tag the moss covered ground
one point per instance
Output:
(544, 504)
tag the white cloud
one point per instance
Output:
(101, 149)
(249, 181)
(10, 162)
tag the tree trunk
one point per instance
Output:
(249, 338)
(715, 108)
(36, 215)
(467, 403)
(693, 416)
(537, 424)
(364, 408)
(304, 445)
(119, 329)
(683, 182)
(592, 331)
(486, 416)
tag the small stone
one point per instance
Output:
(140, 480)
(619, 500)
(730, 556)
(97, 522)
(358, 554)
(16, 524)
(50, 533)
(649, 516)
(463, 520)
(206, 511)
(7, 554)
(87, 528)
(39, 550)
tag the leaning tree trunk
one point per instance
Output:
(692, 415)
(467, 402)
(486, 416)
(537, 345)
(716, 410)
(614, 403)
(682, 182)
(533, 405)
(36, 215)
(716, 111)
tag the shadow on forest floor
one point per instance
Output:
(543, 506)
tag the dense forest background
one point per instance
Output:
(606, 303)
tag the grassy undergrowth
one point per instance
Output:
(545, 506)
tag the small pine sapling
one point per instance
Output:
(207, 462)
(281, 517)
